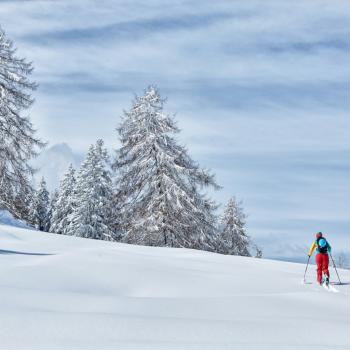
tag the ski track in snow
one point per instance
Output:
(61, 292)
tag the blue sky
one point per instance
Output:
(260, 91)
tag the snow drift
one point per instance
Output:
(62, 292)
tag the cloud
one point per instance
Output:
(129, 30)
(312, 47)
(260, 91)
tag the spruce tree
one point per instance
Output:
(18, 143)
(92, 215)
(40, 207)
(52, 207)
(258, 252)
(233, 238)
(65, 203)
(159, 184)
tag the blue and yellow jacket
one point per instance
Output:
(315, 246)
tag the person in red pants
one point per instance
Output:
(322, 260)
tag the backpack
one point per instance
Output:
(322, 250)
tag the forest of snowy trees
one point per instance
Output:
(150, 193)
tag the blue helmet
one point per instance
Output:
(322, 243)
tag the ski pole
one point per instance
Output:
(308, 260)
(335, 268)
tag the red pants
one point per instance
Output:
(322, 261)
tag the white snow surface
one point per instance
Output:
(62, 292)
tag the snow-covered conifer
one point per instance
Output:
(40, 207)
(53, 202)
(65, 203)
(92, 216)
(233, 238)
(116, 222)
(17, 136)
(159, 184)
(258, 252)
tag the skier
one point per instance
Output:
(322, 260)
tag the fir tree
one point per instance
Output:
(52, 207)
(258, 252)
(40, 207)
(233, 238)
(65, 203)
(159, 184)
(92, 216)
(116, 222)
(17, 136)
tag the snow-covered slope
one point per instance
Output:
(59, 292)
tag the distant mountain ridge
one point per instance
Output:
(53, 162)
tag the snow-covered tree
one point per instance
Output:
(258, 252)
(52, 207)
(40, 207)
(116, 222)
(92, 215)
(64, 204)
(159, 184)
(233, 238)
(341, 261)
(18, 143)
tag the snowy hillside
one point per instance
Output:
(60, 292)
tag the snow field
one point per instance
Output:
(89, 294)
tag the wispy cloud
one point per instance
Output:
(130, 30)
(261, 91)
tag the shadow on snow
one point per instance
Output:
(22, 253)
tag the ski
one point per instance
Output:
(329, 288)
